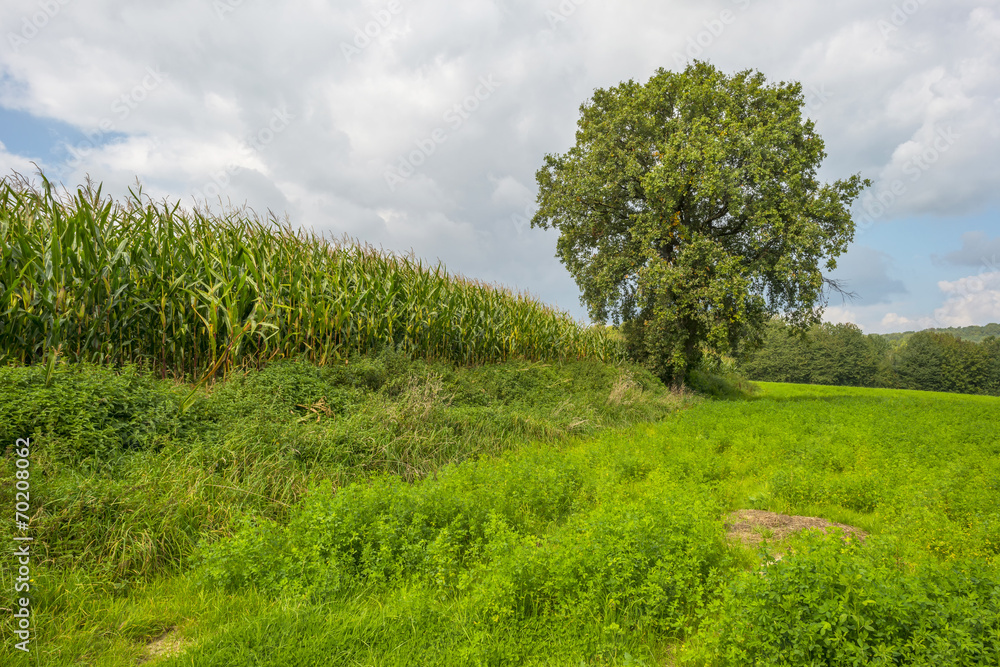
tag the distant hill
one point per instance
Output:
(976, 334)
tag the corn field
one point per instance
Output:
(190, 295)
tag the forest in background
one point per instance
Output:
(975, 334)
(962, 360)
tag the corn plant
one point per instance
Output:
(194, 295)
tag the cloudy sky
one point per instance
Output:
(419, 124)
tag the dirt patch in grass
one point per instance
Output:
(754, 526)
(164, 646)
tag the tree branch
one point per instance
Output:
(840, 287)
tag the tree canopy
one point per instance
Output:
(690, 212)
(840, 354)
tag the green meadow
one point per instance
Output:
(601, 543)
(249, 446)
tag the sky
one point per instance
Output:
(418, 125)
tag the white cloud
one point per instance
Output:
(887, 98)
(970, 300)
(978, 249)
(895, 322)
(10, 162)
(840, 315)
(508, 191)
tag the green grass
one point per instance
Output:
(605, 547)
(127, 483)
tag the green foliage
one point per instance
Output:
(835, 603)
(781, 357)
(689, 209)
(472, 548)
(833, 354)
(89, 414)
(454, 530)
(803, 487)
(991, 347)
(535, 544)
(126, 484)
(975, 333)
(407, 628)
(192, 295)
(839, 354)
(726, 386)
(603, 550)
(941, 362)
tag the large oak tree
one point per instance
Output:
(690, 212)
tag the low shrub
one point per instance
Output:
(536, 537)
(830, 602)
(87, 414)
(726, 386)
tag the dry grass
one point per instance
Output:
(752, 527)
(166, 645)
(625, 390)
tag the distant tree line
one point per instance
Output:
(977, 334)
(841, 354)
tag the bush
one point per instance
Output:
(727, 386)
(832, 602)
(386, 531)
(87, 413)
(527, 536)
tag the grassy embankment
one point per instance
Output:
(124, 486)
(606, 549)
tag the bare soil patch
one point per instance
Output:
(754, 526)
(166, 645)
